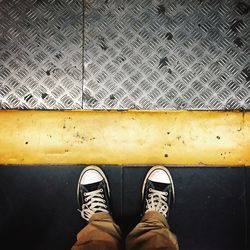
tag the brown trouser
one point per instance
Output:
(103, 234)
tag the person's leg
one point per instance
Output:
(93, 196)
(100, 233)
(153, 230)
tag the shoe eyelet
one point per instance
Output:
(84, 194)
(102, 196)
(85, 200)
(104, 201)
(150, 189)
(101, 190)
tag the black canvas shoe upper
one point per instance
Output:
(93, 198)
(158, 197)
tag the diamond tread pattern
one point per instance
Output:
(173, 54)
(41, 54)
(141, 54)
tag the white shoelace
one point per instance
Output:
(157, 201)
(94, 203)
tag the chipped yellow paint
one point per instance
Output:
(125, 137)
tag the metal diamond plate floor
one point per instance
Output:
(141, 54)
(167, 54)
(41, 54)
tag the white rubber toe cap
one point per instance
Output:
(159, 175)
(91, 176)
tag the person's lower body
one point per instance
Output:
(101, 233)
(152, 232)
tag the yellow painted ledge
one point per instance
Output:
(125, 137)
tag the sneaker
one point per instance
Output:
(93, 192)
(158, 191)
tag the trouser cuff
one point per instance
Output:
(100, 216)
(153, 215)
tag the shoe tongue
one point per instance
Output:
(159, 186)
(93, 186)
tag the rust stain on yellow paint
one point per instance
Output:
(125, 137)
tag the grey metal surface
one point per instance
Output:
(41, 54)
(174, 54)
(142, 54)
